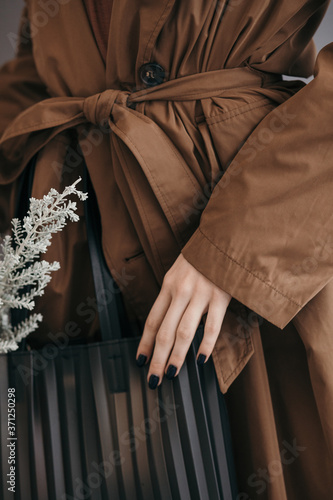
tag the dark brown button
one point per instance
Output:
(152, 74)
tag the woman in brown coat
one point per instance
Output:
(214, 179)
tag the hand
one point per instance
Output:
(186, 295)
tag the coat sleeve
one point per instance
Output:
(266, 234)
(20, 87)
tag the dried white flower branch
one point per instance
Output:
(19, 267)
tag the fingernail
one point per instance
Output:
(201, 359)
(171, 372)
(153, 381)
(141, 360)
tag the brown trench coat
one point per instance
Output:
(154, 155)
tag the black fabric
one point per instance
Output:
(88, 426)
(112, 317)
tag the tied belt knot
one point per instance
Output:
(59, 113)
(98, 108)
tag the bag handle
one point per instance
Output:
(112, 316)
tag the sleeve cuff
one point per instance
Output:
(243, 284)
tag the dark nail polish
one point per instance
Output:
(171, 372)
(201, 359)
(153, 381)
(141, 360)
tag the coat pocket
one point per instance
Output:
(136, 255)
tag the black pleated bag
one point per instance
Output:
(88, 427)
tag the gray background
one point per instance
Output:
(10, 15)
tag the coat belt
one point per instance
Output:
(154, 151)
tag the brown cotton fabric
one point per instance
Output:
(99, 14)
(224, 162)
